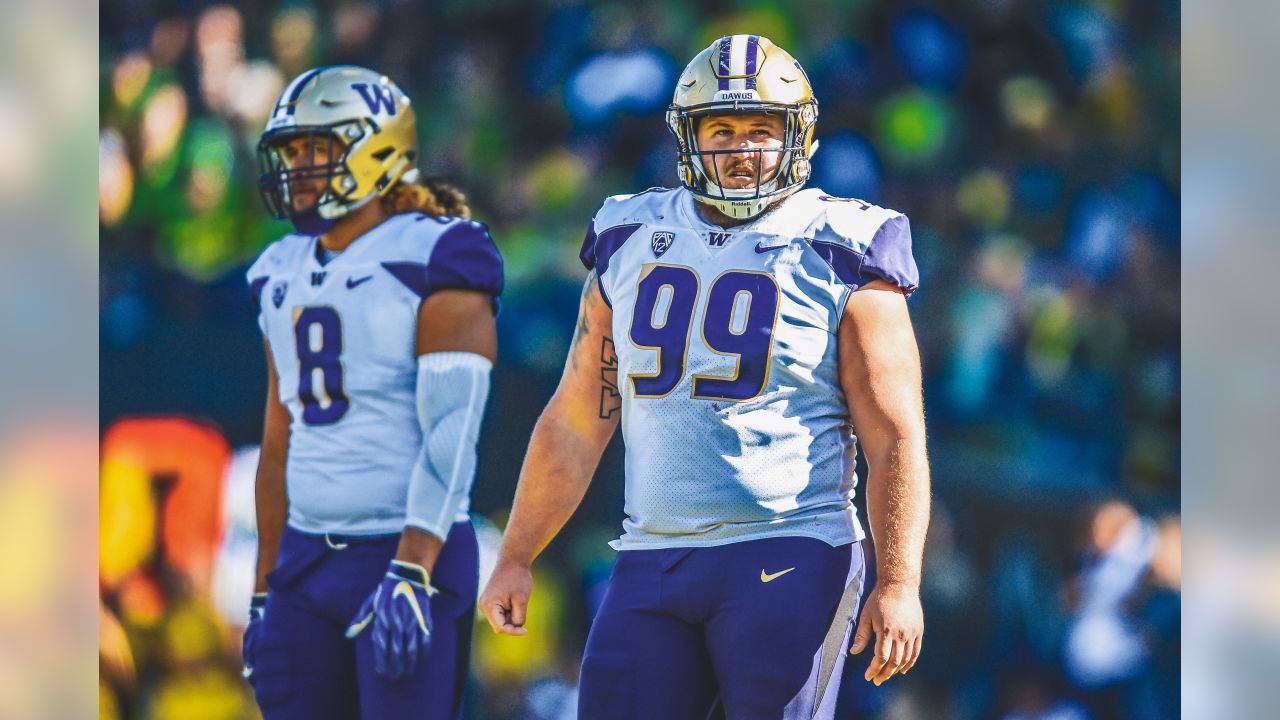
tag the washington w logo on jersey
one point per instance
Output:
(376, 97)
(717, 239)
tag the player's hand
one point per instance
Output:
(399, 611)
(506, 598)
(249, 648)
(893, 613)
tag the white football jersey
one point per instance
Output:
(735, 423)
(342, 337)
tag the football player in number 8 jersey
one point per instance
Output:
(748, 335)
(378, 317)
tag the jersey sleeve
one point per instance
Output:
(588, 252)
(257, 277)
(605, 235)
(857, 261)
(889, 257)
(464, 257)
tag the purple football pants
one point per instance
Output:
(755, 629)
(306, 669)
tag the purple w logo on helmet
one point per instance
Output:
(376, 97)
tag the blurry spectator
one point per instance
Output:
(1107, 652)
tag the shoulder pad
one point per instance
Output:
(640, 207)
(863, 242)
(276, 258)
(278, 255)
(445, 252)
(849, 221)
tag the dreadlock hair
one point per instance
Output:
(429, 195)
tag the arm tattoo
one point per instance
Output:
(610, 400)
(585, 310)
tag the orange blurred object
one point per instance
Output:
(161, 491)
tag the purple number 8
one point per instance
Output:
(326, 358)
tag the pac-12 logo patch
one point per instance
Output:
(277, 294)
(661, 241)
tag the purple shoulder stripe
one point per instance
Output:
(605, 245)
(588, 252)
(843, 261)
(255, 290)
(413, 275)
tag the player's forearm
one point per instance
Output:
(558, 467)
(898, 508)
(272, 505)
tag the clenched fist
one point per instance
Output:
(506, 598)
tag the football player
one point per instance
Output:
(742, 330)
(378, 318)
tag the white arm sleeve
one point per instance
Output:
(452, 390)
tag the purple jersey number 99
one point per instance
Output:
(741, 312)
(317, 332)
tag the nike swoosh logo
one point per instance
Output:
(352, 282)
(767, 577)
(762, 248)
(405, 589)
(357, 628)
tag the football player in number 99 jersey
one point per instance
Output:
(749, 335)
(378, 316)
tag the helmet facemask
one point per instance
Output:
(743, 203)
(280, 178)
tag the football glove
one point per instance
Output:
(257, 610)
(399, 611)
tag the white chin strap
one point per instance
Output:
(739, 209)
(747, 203)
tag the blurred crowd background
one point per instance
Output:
(1034, 145)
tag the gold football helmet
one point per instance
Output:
(741, 74)
(372, 140)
